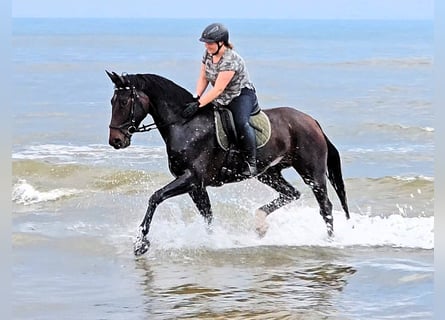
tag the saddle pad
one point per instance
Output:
(260, 122)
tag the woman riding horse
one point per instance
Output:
(195, 158)
(226, 70)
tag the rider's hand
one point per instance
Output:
(190, 109)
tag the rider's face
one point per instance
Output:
(211, 47)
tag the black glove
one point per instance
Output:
(190, 109)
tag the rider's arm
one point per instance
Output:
(202, 82)
(222, 80)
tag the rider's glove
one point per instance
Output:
(190, 109)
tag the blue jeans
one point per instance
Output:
(241, 107)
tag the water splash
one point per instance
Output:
(294, 226)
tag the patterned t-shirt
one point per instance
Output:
(230, 61)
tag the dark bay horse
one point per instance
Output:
(195, 158)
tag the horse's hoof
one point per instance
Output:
(261, 225)
(330, 233)
(261, 232)
(209, 229)
(141, 246)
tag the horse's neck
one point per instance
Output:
(164, 123)
(164, 112)
(167, 100)
(162, 93)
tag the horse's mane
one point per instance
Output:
(157, 86)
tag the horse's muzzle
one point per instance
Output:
(118, 140)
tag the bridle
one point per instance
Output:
(129, 127)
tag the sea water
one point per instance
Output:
(77, 202)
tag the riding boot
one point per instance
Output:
(251, 169)
(248, 149)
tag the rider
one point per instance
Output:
(226, 70)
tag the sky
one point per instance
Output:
(276, 9)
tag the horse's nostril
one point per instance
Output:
(116, 142)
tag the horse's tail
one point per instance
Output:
(335, 174)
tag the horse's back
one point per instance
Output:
(293, 121)
(295, 134)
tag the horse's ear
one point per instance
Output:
(113, 76)
(124, 79)
(117, 79)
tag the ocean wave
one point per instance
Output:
(95, 153)
(68, 179)
(409, 196)
(416, 178)
(25, 194)
(40, 181)
(424, 152)
(398, 128)
(391, 62)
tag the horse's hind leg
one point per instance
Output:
(319, 188)
(201, 199)
(287, 193)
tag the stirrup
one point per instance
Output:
(250, 171)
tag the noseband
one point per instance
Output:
(129, 127)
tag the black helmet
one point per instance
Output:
(215, 32)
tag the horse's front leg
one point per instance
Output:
(181, 185)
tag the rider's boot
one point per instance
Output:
(251, 169)
(248, 145)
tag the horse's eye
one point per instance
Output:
(123, 102)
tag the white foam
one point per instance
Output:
(419, 177)
(24, 193)
(289, 226)
(95, 153)
(297, 226)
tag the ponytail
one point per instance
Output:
(228, 45)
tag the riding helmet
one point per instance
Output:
(215, 32)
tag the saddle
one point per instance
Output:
(226, 134)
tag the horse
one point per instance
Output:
(195, 159)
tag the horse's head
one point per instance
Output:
(129, 107)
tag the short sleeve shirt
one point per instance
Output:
(230, 61)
